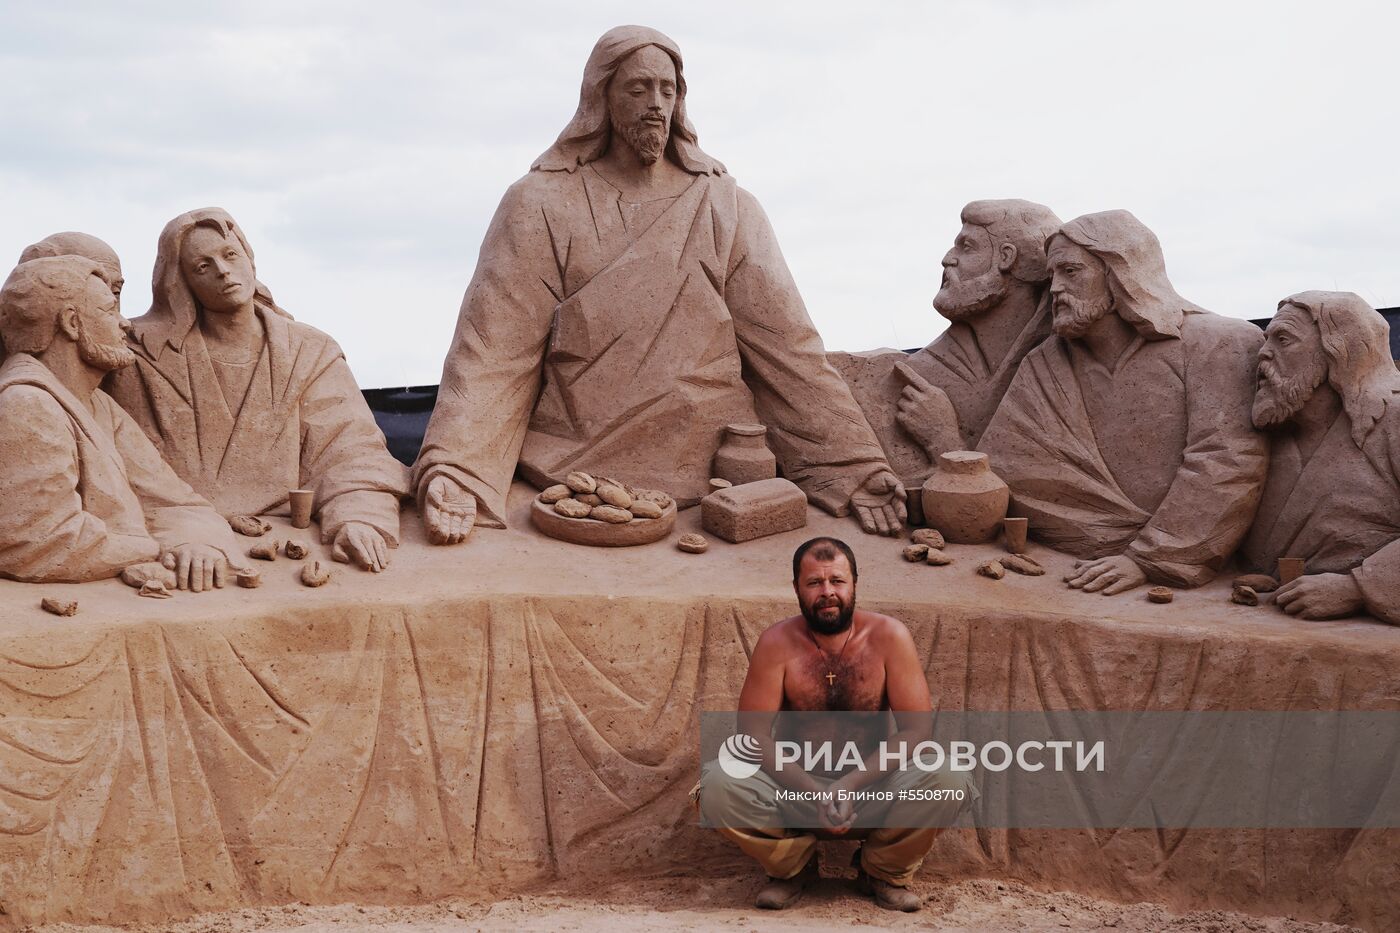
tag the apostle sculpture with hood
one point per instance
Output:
(629, 302)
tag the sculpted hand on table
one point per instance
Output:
(879, 504)
(449, 511)
(1320, 596)
(197, 567)
(363, 544)
(1111, 575)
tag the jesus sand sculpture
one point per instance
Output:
(630, 300)
(1329, 394)
(86, 494)
(246, 403)
(1126, 437)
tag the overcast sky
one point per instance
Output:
(363, 146)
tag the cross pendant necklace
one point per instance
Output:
(830, 674)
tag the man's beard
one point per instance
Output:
(105, 357)
(958, 301)
(829, 626)
(1073, 317)
(647, 139)
(1278, 398)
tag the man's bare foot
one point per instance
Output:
(781, 893)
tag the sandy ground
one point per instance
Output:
(676, 903)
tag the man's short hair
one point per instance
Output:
(1024, 224)
(823, 548)
(35, 293)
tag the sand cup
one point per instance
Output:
(301, 507)
(1289, 569)
(1016, 529)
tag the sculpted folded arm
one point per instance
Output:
(1212, 499)
(343, 458)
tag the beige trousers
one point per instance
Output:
(890, 854)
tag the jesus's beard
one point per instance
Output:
(1073, 317)
(647, 139)
(960, 300)
(1278, 398)
(103, 356)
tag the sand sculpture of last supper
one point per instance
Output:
(632, 349)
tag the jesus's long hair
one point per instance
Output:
(588, 134)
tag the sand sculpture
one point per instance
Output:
(72, 243)
(1328, 392)
(86, 494)
(246, 403)
(629, 302)
(603, 512)
(995, 294)
(1126, 438)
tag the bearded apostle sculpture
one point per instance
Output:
(1126, 437)
(995, 294)
(1329, 394)
(86, 494)
(246, 403)
(630, 300)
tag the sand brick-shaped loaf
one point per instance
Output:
(754, 510)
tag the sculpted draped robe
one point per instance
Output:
(1339, 510)
(956, 363)
(85, 493)
(619, 339)
(301, 424)
(1154, 457)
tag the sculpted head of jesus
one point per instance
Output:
(642, 102)
(633, 94)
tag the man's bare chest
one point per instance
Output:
(813, 682)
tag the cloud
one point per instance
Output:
(364, 146)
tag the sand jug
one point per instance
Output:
(744, 457)
(964, 499)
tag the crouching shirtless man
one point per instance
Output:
(833, 657)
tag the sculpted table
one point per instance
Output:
(515, 709)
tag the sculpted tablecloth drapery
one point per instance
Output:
(520, 709)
